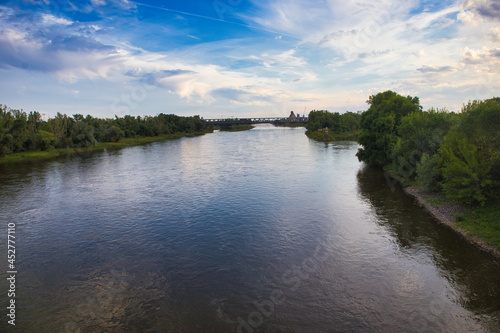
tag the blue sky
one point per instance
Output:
(244, 58)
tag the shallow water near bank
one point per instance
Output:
(262, 230)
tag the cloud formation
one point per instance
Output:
(262, 56)
(435, 69)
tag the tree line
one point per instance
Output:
(336, 122)
(21, 131)
(455, 153)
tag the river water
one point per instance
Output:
(255, 231)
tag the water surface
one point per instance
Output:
(263, 230)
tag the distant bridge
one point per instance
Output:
(261, 120)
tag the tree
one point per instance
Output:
(113, 134)
(19, 131)
(82, 133)
(6, 120)
(34, 120)
(419, 133)
(379, 125)
(470, 154)
(428, 175)
(59, 126)
(321, 119)
(350, 121)
(27, 132)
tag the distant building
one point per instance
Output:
(359, 112)
(292, 117)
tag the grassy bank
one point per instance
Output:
(320, 136)
(478, 225)
(125, 142)
(482, 222)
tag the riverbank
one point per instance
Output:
(126, 142)
(331, 136)
(237, 128)
(480, 226)
(279, 124)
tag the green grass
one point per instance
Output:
(484, 222)
(52, 153)
(438, 201)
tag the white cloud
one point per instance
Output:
(489, 9)
(98, 3)
(49, 19)
(435, 69)
(484, 56)
(494, 34)
(468, 17)
(346, 51)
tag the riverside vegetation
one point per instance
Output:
(341, 127)
(455, 155)
(27, 136)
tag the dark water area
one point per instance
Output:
(255, 231)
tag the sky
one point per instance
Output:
(239, 58)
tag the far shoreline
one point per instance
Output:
(59, 152)
(322, 136)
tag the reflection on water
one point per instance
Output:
(473, 273)
(263, 230)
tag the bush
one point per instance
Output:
(459, 216)
(419, 133)
(113, 134)
(428, 176)
(45, 140)
(470, 155)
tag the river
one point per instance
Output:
(255, 231)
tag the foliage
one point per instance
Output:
(379, 124)
(112, 134)
(428, 176)
(350, 122)
(419, 133)
(22, 132)
(470, 154)
(319, 119)
(335, 122)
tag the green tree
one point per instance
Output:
(379, 125)
(113, 134)
(419, 133)
(321, 119)
(45, 140)
(6, 120)
(470, 154)
(60, 126)
(19, 131)
(428, 175)
(350, 121)
(34, 121)
(82, 133)
(24, 132)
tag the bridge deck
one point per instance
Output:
(262, 120)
